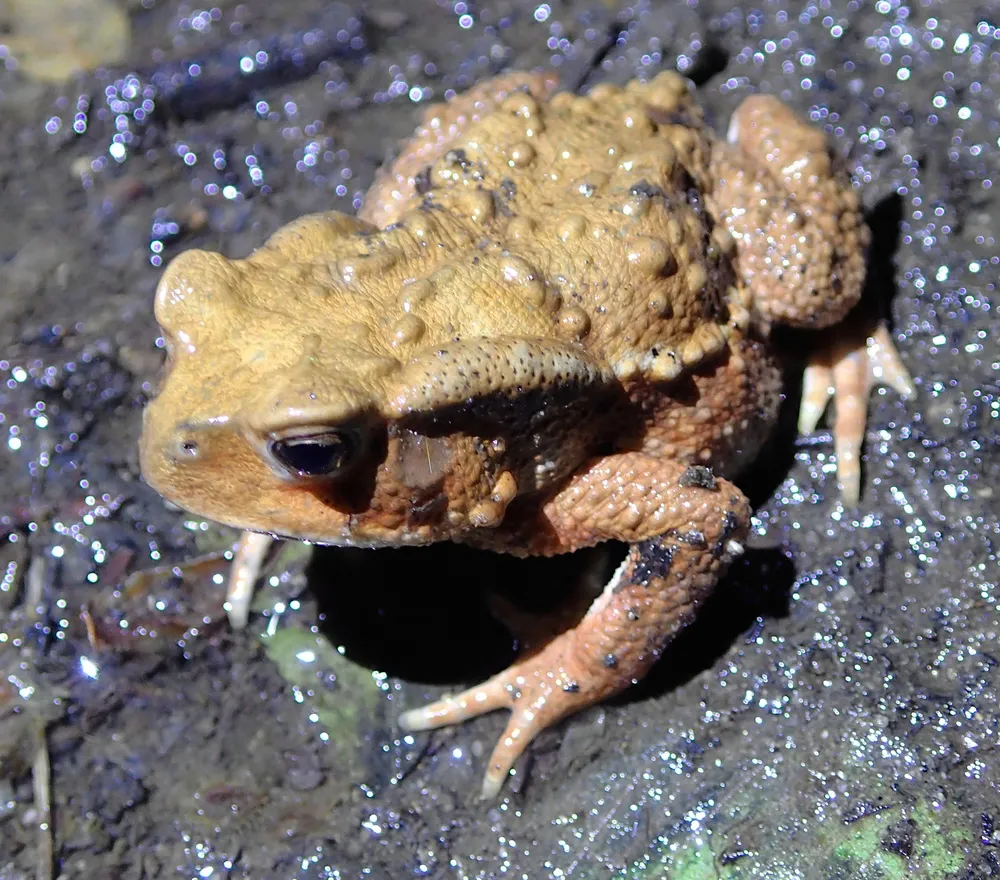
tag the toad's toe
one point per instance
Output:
(539, 690)
(248, 559)
(847, 372)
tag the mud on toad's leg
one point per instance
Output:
(801, 241)
(395, 188)
(684, 526)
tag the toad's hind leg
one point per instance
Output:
(801, 240)
(684, 527)
(799, 230)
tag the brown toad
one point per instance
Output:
(547, 328)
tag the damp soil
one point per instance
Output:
(833, 712)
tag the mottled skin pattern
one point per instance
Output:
(547, 328)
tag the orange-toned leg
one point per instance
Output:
(847, 371)
(799, 231)
(800, 238)
(685, 527)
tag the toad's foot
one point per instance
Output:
(248, 558)
(684, 526)
(847, 372)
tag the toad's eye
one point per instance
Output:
(316, 455)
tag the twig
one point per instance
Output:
(34, 593)
(41, 779)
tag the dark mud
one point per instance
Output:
(832, 714)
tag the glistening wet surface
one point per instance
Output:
(833, 712)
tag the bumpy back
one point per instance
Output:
(588, 210)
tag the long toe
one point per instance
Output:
(847, 372)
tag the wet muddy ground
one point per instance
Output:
(834, 711)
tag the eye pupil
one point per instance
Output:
(314, 455)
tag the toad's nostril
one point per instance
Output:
(183, 448)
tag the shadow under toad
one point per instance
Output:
(424, 614)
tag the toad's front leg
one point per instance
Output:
(684, 526)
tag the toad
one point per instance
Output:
(548, 327)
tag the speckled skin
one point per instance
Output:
(554, 333)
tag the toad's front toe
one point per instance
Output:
(540, 690)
